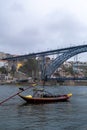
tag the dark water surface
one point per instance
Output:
(15, 114)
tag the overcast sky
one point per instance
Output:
(28, 26)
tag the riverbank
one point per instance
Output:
(49, 83)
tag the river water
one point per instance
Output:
(15, 114)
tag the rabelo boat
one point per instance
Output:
(42, 96)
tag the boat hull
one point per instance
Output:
(40, 100)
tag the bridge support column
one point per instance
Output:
(43, 68)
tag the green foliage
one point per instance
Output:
(31, 65)
(13, 70)
(70, 70)
(3, 70)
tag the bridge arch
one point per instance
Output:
(62, 58)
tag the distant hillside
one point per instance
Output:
(4, 55)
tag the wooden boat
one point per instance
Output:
(45, 98)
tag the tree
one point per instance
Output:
(13, 69)
(31, 65)
(3, 70)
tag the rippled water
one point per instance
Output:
(15, 114)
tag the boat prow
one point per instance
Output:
(69, 95)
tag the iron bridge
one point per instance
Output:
(63, 55)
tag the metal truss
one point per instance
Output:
(64, 55)
(62, 58)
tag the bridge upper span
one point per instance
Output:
(44, 53)
(64, 54)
